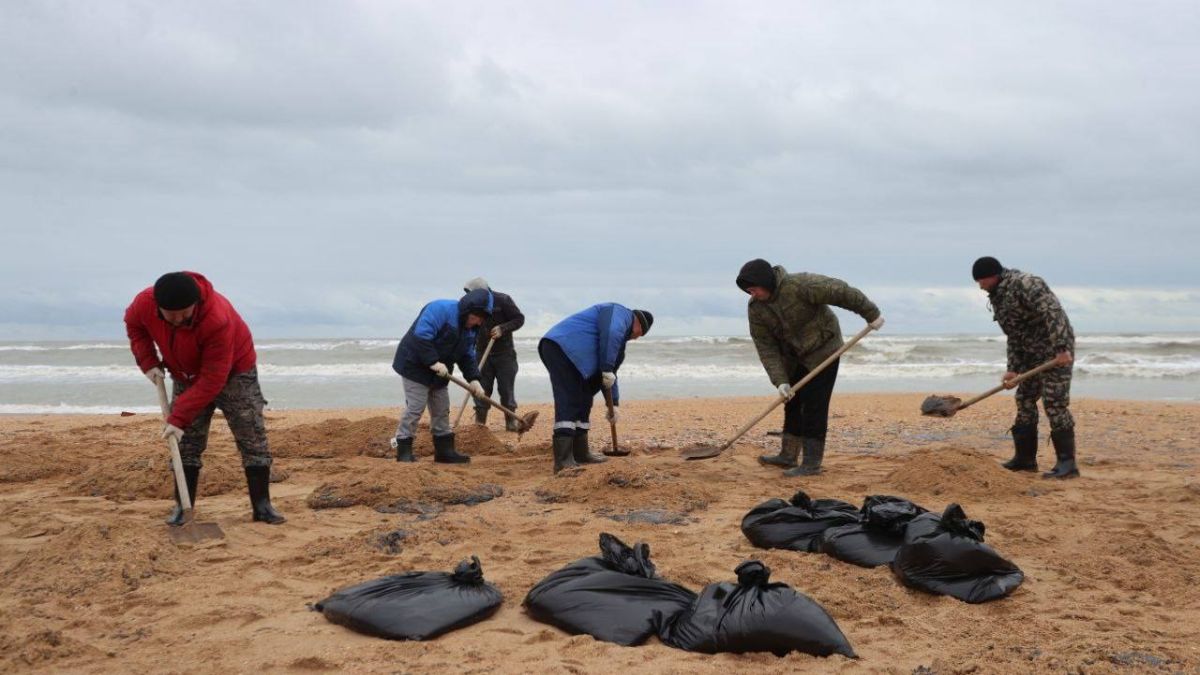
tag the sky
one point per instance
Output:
(332, 166)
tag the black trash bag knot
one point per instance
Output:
(469, 571)
(955, 520)
(801, 500)
(753, 573)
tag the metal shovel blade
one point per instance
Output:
(940, 406)
(191, 533)
(616, 452)
(527, 421)
(702, 451)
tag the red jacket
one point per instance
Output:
(204, 354)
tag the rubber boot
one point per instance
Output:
(1064, 451)
(481, 416)
(1025, 448)
(403, 448)
(191, 476)
(814, 453)
(789, 449)
(564, 453)
(258, 480)
(444, 452)
(581, 453)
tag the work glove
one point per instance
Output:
(155, 375)
(170, 430)
(877, 323)
(612, 414)
(785, 391)
(440, 369)
(609, 379)
(497, 333)
(476, 389)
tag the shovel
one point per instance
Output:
(190, 532)
(467, 398)
(710, 451)
(947, 406)
(615, 451)
(525, 422)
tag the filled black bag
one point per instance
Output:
(796, 525)
(755, 615)
(416, 605)
(878, 535)
(615, 597)
(945, 555)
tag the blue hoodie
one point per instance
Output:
(595, 338)
(440, 334)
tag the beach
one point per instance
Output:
(91, 582)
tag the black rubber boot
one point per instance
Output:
(403, 448)
(1064, 451)
(814, 453)
(191, 475)
(481, 416)
(444, 452)
(581, 453)
(1025, 448)
(564, 453)
(258, 479)
(789, 450)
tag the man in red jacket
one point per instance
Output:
(183, 324)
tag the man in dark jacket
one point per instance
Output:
(794, 330)
(442, 335)
(501, 366)
(582, 353)
(1037, 330)
(184, 325)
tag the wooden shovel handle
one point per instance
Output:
(463, 383)
(1016, 380)
(612, 422)
(467, 399)
(185, 499)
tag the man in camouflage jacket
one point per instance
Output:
(1038, 330)
(794, 330)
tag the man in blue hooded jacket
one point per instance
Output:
(442, 335)
(582, 353)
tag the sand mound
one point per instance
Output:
(612, 488)
(32, 459)
(372, 437)
(149, 477)
(403, 488)
(955, 472)
(41, 648)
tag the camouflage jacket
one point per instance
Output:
(1032, 318)
(796, 326)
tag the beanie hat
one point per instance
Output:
(757, 272)
(175, 291)
(646, 319)
(985, 267)
(475, 284)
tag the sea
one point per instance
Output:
(100, 376)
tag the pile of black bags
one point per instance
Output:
(415, 605)
(875, 538)
(796, 525)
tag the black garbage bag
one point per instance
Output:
(615, 597)
(415, 605)
(945, 555)
(876, 538)
(796, 525)
(755, 615)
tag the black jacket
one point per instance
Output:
(508, 316)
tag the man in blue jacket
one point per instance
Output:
(582, 353)
(442, 335)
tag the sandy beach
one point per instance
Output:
(92, 584)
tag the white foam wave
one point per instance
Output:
(325, 346)
(65, 409)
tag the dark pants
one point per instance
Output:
(1054, 388)
(807, 413)
(241, 401)
(572, 392)
(500, 371)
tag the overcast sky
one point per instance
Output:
(331, 166)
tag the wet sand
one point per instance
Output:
(91, 583)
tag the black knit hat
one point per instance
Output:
(985, 267)
(646, 319)
(175, 291)
(757, 272)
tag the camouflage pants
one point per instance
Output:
(1054, 388)
(241, 401)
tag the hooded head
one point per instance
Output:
(757, 273)
(476, 284)
(475, 303)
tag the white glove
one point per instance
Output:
(785, 391)
(170, 430)
(440, 369)
(877, 323)
(609, 379)
(612, 414)
(155, 375)
(476, 389)
(497, 332)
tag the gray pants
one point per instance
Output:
(416, 398)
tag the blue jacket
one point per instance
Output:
(595, 338)
(440, 334)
